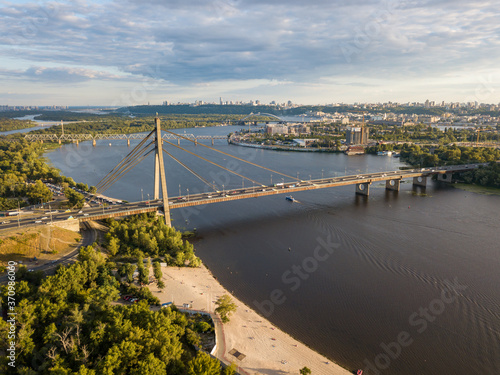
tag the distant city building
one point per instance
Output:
(276, 129)
(299, 129)
(357, 135)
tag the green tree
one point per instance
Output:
(143, 271)
(230, 370)
(157, 270)
(38, 192)
(151, 366)
(203, 364)
(305, 371)
(113, 246)
(130, 272)
(75, 199)
(82, 186)
(225, 307)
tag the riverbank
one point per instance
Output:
(473, 188)
(249, 340)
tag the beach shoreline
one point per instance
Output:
(249, 340)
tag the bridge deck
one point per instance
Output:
(286, 188)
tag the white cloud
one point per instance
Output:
(189, 43)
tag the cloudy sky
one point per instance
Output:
(129, 52)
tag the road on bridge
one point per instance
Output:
(116, 210)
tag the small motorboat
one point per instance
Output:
(290, 198)
(359, 372)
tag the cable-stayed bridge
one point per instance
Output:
(153, 143)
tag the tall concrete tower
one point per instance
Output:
(160, 172)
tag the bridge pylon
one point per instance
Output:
(160, 172)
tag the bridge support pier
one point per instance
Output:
(77, 144)
(363, 188)
(195, 142)
(160, 180)
(128, 142)
(212, 141)
(446, 177)
(93, 142)
(392, 185)
(178, 141)
(420, 181)
(59, 141)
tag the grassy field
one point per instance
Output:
(478, 189)
(45, 243)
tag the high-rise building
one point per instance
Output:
(357, 135)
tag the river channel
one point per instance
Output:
(402, 283)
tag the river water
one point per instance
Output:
(396, 283)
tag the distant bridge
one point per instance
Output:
(261, 114)
(103, 136)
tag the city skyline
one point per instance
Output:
(130, 53)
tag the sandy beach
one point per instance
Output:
(249, 340)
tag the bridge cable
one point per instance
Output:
(232, 156)
(133, 154)
(118, 172)
(124, 172)
(212, 186)
(127, 158)
(211, 162)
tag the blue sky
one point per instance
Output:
(133, 52)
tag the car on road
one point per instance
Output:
(6, 222)
(85, 214)
(38, 221)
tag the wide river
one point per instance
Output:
(396, 283)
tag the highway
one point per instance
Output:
(97, 212)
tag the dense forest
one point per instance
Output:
(22, 170)
(127, 125)
(147, 235)
(484, 176)
(452, 155)
(69, 323)
(7, 124)
(428, 156)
